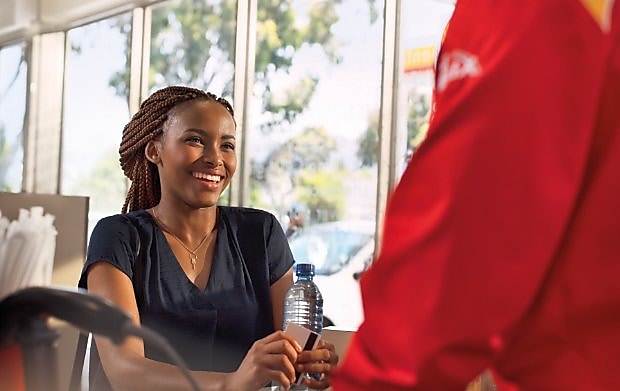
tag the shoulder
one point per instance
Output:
(128, 224)
(251, 222)
(135, 217)
(236, 214)
(111, 222)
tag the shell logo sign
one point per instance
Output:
(419, 59)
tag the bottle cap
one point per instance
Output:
(304, 268)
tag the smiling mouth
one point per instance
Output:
(207, 177)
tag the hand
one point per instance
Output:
(321, 360)
(269, 359)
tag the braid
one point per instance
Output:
(146, 125)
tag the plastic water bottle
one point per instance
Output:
(303, 305)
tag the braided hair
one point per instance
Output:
(146, 125)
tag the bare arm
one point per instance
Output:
(278, 291)
(127, 369)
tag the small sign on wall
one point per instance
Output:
(420, 58)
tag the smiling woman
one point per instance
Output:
(173, 113)
(210, 279)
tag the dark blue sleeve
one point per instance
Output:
(114, 240)
(279, 254)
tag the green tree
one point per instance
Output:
(193, 43)
(4, 159)
(417, 119)
(323, 194)
(368, 142)
(417, 123)
(107, 182)
(279, 173)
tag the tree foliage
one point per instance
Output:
(323, 194)
(193, 43)
(418, 114)
(417, 119)
(108, 182)
(279, 173)
(4, 163)
(368, 142)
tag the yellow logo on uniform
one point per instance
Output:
(600, 11)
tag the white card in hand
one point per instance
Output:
(306, 338)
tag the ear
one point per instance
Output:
(151, 151)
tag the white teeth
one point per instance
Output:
(208, 177)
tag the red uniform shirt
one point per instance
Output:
(501, 244)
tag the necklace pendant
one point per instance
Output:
(193, 258)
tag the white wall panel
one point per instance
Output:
(45, 113)
(63, 12)
(17, 15)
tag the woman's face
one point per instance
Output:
(196, 154)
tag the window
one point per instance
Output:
(13, 87)
(193, 44)
(95, 112)
(314, 123)
(422, 27)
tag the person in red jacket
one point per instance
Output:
(501, 243)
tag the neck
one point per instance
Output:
(188, 225)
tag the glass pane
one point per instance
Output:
(314, 137)
(95, 112)
(13, 86)
(422, 27)
(192, 43)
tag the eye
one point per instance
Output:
(229, 146)
(194, 140)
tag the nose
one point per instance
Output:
(212, 155)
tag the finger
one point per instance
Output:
(322, 344)
(314, 384)
(280, 363)
(328, 345)
(281, 378)
(277, 355)
(333, 355)
(269, 370)
(279, 335)
(293, 341)
(314, 367)
(282, 346)
(314, 355)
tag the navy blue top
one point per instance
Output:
(211, 330)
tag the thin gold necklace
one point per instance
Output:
(192, 253)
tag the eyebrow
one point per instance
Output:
(205, 133)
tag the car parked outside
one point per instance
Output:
(340, 252)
